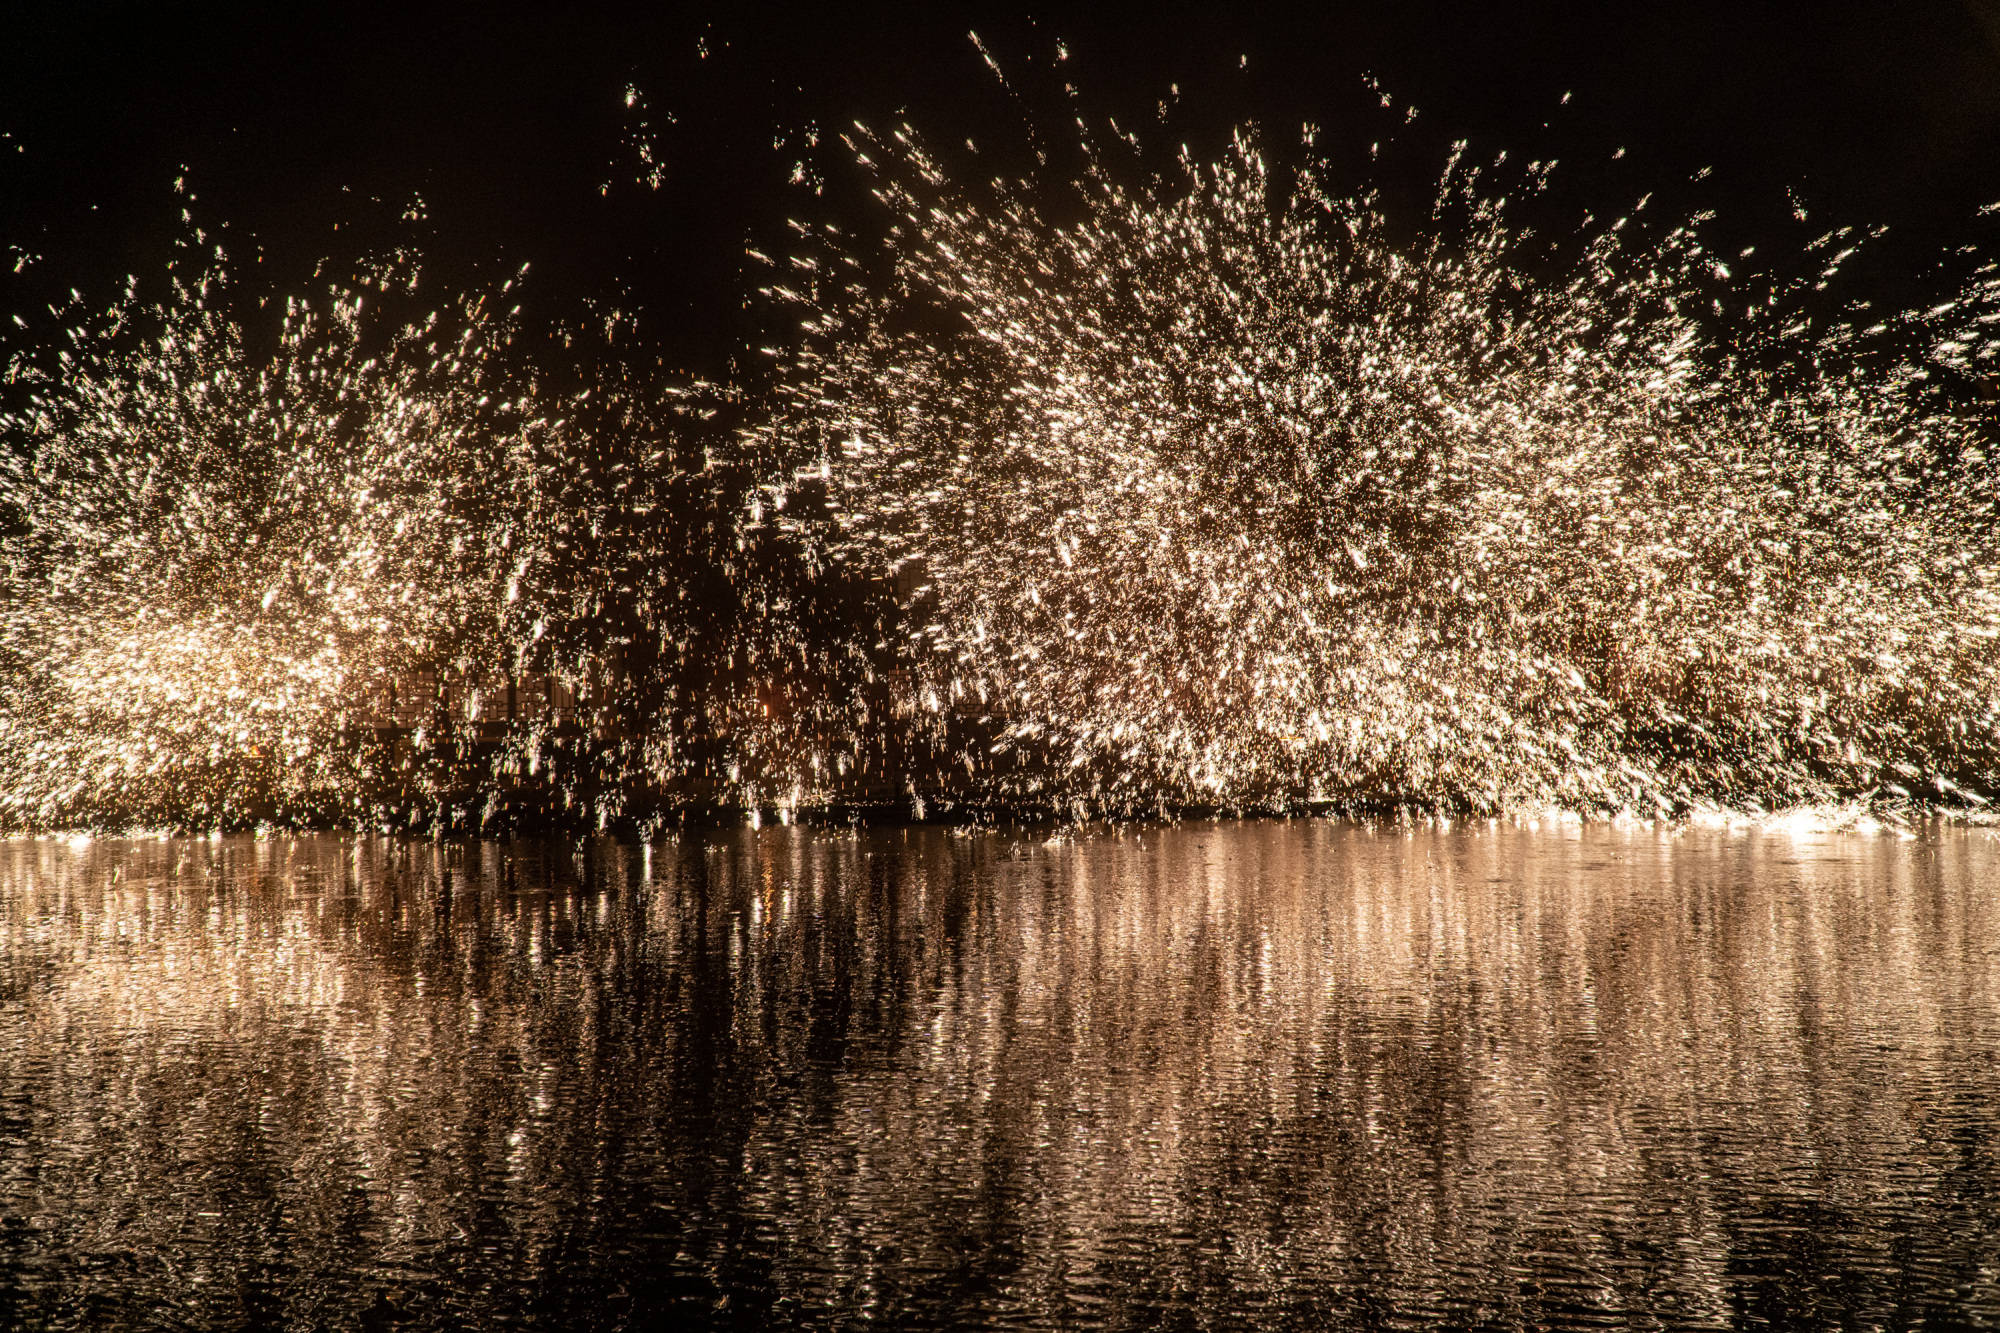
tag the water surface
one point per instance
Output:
(1305, 1074)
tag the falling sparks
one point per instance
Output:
(371, 574)
(1223, 493)
(216, 556)
(1222, 496)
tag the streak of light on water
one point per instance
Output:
(1227, 1074)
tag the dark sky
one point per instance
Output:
(292, 118)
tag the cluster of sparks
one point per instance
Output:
(363, 568)
(1215, 493)
(216, 553)
(1222, 496)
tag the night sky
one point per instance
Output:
(509, 123)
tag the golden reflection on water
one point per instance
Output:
(1263, 1073)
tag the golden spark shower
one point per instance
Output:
(1213, 487)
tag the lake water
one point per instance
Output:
(1304, 1074)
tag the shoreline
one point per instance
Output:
(937, 810)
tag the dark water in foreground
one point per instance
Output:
(1262, 1075)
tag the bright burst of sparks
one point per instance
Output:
(218, 553)
(1218, 493)
(368, 569)
(1223, 496)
